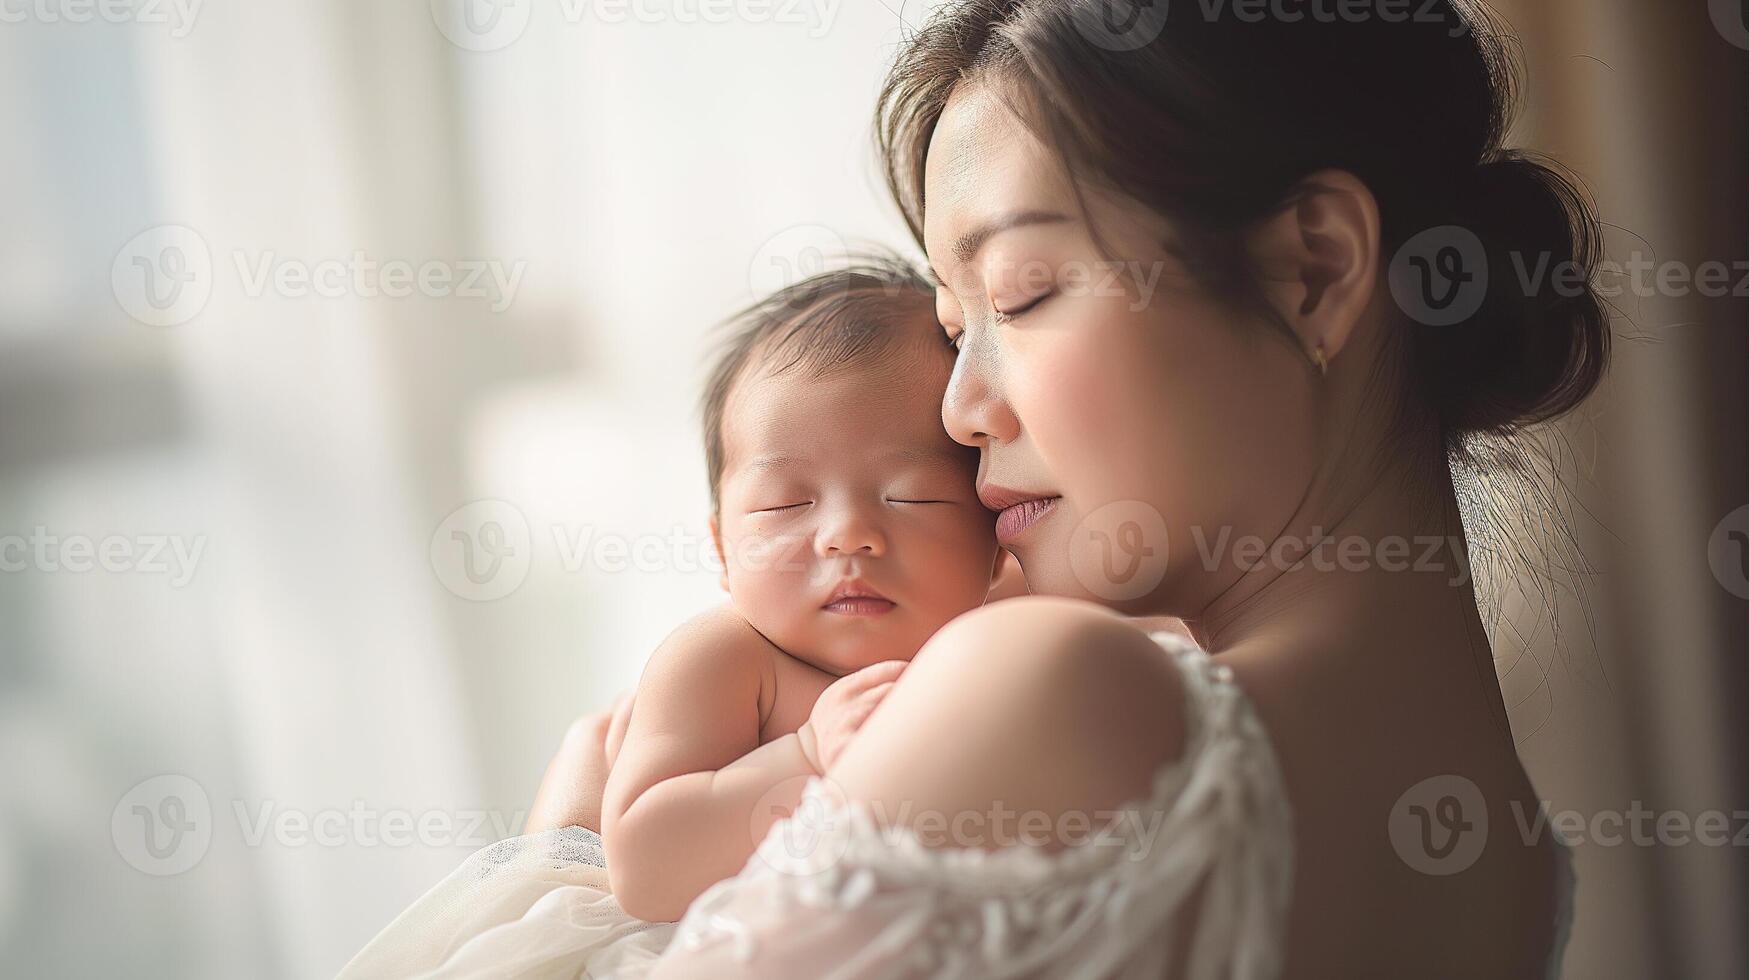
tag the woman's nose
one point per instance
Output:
(973, 409)
(850, 531)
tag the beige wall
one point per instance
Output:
(1649, 104)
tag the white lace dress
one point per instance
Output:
(832, 894)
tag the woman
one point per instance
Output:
(1232, 292)
(1272, 387)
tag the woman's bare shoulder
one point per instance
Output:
(1035, 703)
(1049, 633)
(1049, 645)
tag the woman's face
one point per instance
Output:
(1151, 428)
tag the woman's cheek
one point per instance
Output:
(1063, 390)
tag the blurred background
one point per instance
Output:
(348, 362)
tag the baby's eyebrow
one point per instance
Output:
(775, 461)
(906, 454)
(929, 455)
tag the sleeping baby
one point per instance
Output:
(849, 531)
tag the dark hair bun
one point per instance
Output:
(1538, 340)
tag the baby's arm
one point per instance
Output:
(679, 814)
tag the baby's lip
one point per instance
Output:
(854, 588)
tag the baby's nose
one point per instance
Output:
(851, 533)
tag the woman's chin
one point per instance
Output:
(1134, 589)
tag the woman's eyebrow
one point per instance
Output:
(965, 248)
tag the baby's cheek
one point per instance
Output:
(773, 577)
(762, 556)
(963, 551)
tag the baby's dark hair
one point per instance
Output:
(825, 323)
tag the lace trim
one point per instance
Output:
(559, 849)
(898, 848)
(1216, 818)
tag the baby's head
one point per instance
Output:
(847, 520)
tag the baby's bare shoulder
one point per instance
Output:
(711, 646)
(721, 626)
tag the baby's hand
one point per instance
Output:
(842, 709)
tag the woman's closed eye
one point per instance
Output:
(1003, 316)
(956, 339)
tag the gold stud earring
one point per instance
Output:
(1319, 361)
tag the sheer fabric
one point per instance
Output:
(1213, 840)
(1192, 880)
(536, 906)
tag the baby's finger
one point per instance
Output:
(884, 672)
(868, 701)
(877, 693)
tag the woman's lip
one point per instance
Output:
(1016, 518)
(860, 605)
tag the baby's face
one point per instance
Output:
(850, 524)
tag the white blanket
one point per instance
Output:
(537, 906)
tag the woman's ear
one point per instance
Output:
(1318, 258)
(717, 543)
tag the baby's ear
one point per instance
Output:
(717, 543)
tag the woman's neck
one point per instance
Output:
(1387, 591)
